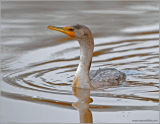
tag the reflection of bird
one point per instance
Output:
(84, 78)
(82, 105)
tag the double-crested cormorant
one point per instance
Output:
(84, 78)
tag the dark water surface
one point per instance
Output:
(38, 65)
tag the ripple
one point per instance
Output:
(133, 52)
(65, 104)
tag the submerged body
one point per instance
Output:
(84, 78)
(106, 77)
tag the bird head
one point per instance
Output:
(76, 31)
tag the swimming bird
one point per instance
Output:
(84, 78)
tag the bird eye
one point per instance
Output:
(71, 29)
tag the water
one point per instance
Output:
(38, 65)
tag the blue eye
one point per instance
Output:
(71, 29)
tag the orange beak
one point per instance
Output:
(66, 30)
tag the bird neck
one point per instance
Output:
(82, 79)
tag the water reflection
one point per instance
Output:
(82, 105)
